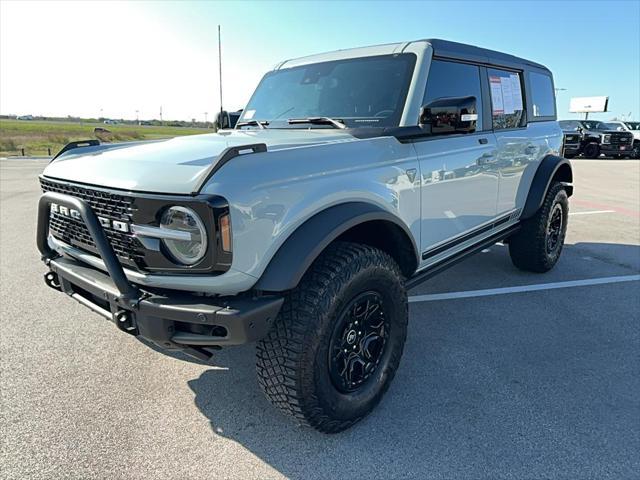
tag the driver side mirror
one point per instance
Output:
(450, 115)
(222, 120)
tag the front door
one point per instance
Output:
(459, 174)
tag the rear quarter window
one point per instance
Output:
(543, 98)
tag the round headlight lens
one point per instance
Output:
(186, 223)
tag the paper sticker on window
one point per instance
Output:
(517, 92)
(496, 95)
(507, 95)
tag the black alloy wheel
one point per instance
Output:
(358, 342)
(554, 229)
(591, 150)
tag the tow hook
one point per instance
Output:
(124, 320)
(52, 280)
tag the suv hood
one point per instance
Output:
(175, 165)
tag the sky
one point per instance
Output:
(114, 58)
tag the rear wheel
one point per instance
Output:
(591, 150)
(635, 153)
(337, 342)
(537, 246)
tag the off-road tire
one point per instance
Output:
(528, 247)
(293, 363)
(591, 150)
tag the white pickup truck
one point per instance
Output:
(631, 127)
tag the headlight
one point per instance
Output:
(190, 243)
(606, 139)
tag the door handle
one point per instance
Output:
(483, 141)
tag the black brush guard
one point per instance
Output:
(171, 319)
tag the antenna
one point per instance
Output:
(220, 65)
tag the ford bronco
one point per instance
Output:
(349, 178)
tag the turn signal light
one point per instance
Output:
(225, 232)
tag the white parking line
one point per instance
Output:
(522, 288)
(592, 212)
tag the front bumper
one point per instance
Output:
(171, 319)
(571, 148)
(626, 149)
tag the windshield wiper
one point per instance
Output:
(318, 121)
(262, 124)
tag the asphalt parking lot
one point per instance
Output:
(535, 382)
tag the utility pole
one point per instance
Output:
(137, 117)
(205, 117)
(220, 65)
(160, 113)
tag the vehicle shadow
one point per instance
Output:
(487, 388)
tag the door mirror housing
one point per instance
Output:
(450, 115)
(222, 120)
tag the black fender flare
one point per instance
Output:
(302, 247)
(550, 167)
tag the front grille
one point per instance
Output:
(104, 204)
(621, 139)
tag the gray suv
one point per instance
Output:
(350, 177)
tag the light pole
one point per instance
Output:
(137, 117)
(205, 117)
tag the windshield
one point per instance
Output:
(633, 125)
(613, 126)
(594, 125)
(569, 124)
(361, 92)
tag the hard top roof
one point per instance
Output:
(442, 48)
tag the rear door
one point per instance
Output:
(526, 131)
(508, 115)
(459, 178)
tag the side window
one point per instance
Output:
(451, 79)
(542, 95)
(507, 106)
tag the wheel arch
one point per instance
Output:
(552, 168)
(353, 221)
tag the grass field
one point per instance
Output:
(37, 137)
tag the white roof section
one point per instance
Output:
(385, 49)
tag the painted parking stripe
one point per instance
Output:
(592, 212)
(522, 288)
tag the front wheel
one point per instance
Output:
(537, 246)
(635, 153)
(337, 342)
(591, 150)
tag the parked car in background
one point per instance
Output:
(571, 142)
(599, 138)
(633, 128)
